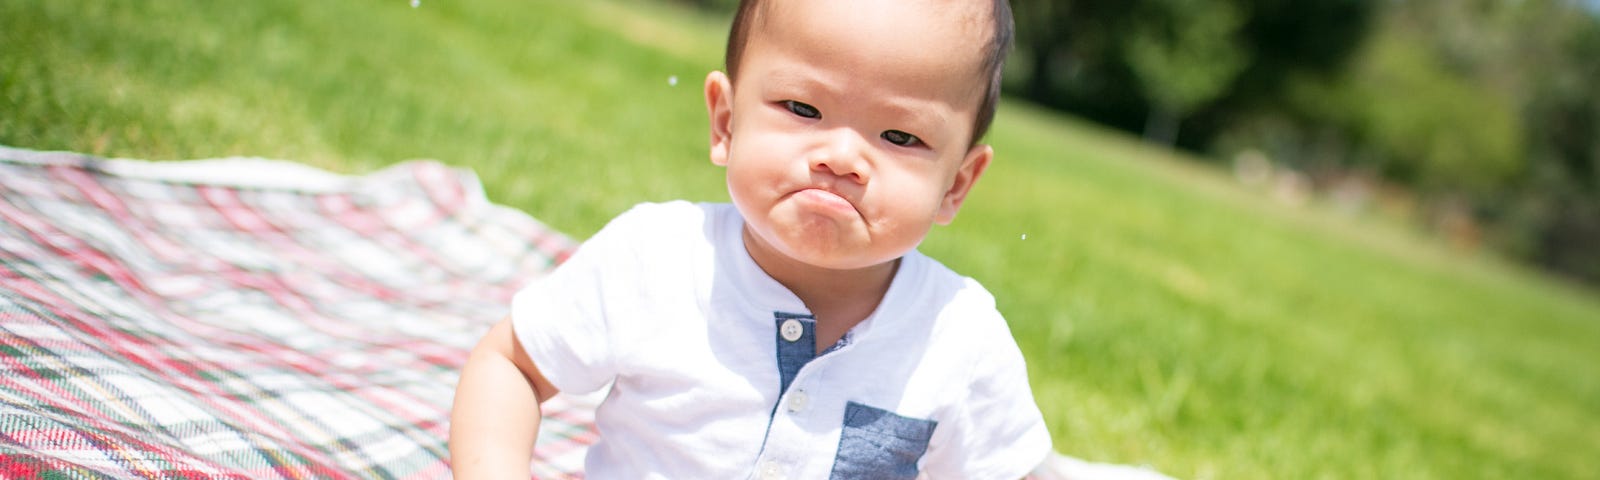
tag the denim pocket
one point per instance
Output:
(877, 443)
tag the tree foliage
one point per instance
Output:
(1183, 56)
(1203, 61)
(1490, 104)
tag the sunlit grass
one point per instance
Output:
(1170, 317)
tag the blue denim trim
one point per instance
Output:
(791, 356)
(876, 443)
(796, 354)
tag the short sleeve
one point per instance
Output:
(565, 320)
(998, 430)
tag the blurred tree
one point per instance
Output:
(1069, 57)
(1118, 61)
(1410, 113)
(1183, 55)
(1553, 214)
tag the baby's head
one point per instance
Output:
(993, 44)
(850, 127)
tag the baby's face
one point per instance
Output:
(849, 134)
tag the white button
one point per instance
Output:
(798, 401)
(791, 330)
(771, 471)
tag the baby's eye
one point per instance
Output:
(901, 138)
(802, 109)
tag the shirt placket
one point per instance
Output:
(796, 348)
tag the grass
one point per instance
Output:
(1170, 317)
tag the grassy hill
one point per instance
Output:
(1170, 317)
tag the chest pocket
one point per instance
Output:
(878, 444)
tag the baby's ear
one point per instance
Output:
(719, 107)
(972, 167)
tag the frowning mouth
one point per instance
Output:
(825, 200)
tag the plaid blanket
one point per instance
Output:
(247, 318)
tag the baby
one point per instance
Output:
(796, 333)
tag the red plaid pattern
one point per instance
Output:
(245, 318)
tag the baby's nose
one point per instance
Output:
(842, 156)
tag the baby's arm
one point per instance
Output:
(496, 415)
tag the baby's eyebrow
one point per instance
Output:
(788, 80)
(912, 113)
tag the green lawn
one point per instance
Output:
(1170, 317)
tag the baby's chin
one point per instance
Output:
(820, 250)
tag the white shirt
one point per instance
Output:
(666, 305)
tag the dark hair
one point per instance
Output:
(994, 55)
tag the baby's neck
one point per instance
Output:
(840, 299)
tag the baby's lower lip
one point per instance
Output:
(825, 199)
